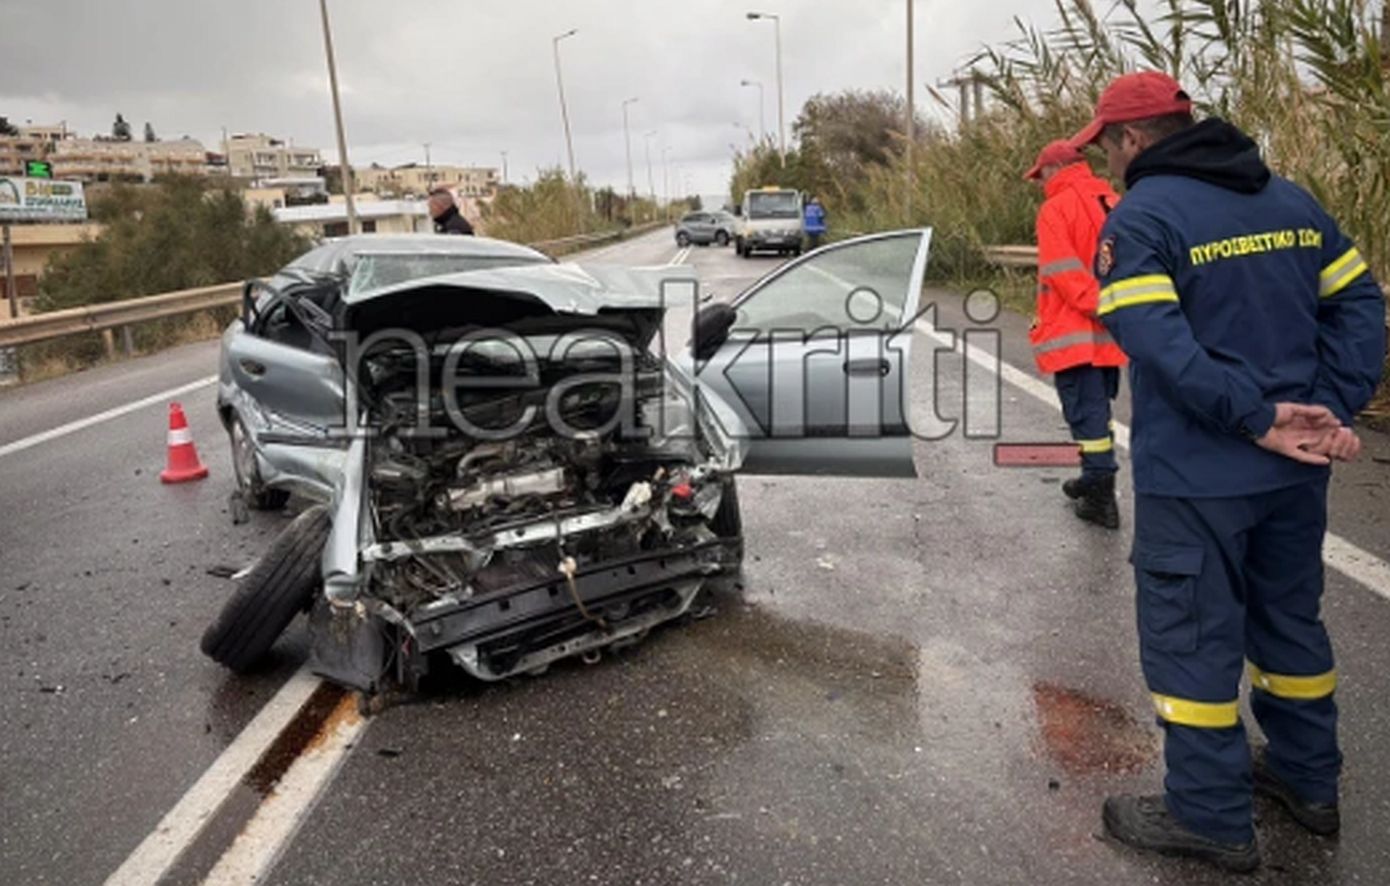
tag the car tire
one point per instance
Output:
(280, 585)
(721, 238)
(249, 485)
(682, 239)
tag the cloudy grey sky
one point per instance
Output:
(474, 78)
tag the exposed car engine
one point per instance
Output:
(542, 487)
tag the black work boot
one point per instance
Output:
(1145, 823)
(1074, 488)
(1323, 819)
(1098, 504)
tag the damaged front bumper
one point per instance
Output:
(519, 629)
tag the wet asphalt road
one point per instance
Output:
(925, 681)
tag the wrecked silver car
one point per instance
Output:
(508, 467)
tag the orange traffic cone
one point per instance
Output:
(184, 466)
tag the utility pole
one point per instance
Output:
(911, 123)
(781, 115)
(967, 84)
(429, 170)
(627, 140)
(565, 118)
(11, 291)
(504, 167)
(343, 164)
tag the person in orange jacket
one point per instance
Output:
(1068, 340)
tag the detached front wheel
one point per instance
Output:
(281, 584)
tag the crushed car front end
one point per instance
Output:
(529, 481)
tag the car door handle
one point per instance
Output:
(252, 367)
(879, 367)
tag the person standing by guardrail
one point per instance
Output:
(1256, 333)
(445, 212)
(1068, 340)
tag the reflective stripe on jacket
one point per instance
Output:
(1066, 332)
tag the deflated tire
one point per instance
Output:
(281, 584)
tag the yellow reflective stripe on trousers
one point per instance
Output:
(1342, 272)
(1144, 290)
(1096, 447)
(1201, 714)
(1296, 688)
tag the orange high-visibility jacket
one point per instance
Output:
(1066, 332)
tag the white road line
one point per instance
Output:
(1359, 565)
(73, 427)
(269, 832)
(154, 857)
(680, 256)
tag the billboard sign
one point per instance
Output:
(41, 199)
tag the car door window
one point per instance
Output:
(855, 286)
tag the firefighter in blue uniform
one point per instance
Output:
(1255, 333)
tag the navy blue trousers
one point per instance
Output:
(1086, 392)
(1226, 585)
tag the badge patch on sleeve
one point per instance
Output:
(1105, 257)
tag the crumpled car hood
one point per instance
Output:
(564, 288)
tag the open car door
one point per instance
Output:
(813, 373)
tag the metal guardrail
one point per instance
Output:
(1013, 256)
(110, 316)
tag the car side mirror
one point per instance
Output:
(712, 325)
(738, 212)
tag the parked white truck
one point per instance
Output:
(769, 219)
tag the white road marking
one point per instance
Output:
(679, 258)
(73, 427)
(1361, 566)
(178, 829)
(269, 832)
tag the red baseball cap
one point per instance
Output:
(1058, 153)
(1135, 97)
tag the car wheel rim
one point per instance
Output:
(243, 459)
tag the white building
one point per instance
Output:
(375, 217)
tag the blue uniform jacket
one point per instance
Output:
(813, 218)
(1231, 290)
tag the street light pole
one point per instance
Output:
(911, 123)
(429, 170)
(651, 181)
(343, 163)
(627, 140)
(564, 111)
(762, 118)
(781, 115)
(666, 177)
(565, 118)
(504, 167)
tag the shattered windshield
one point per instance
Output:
(377, 271)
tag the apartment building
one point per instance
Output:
(416, 179)
(259, 156)
(107, 159)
